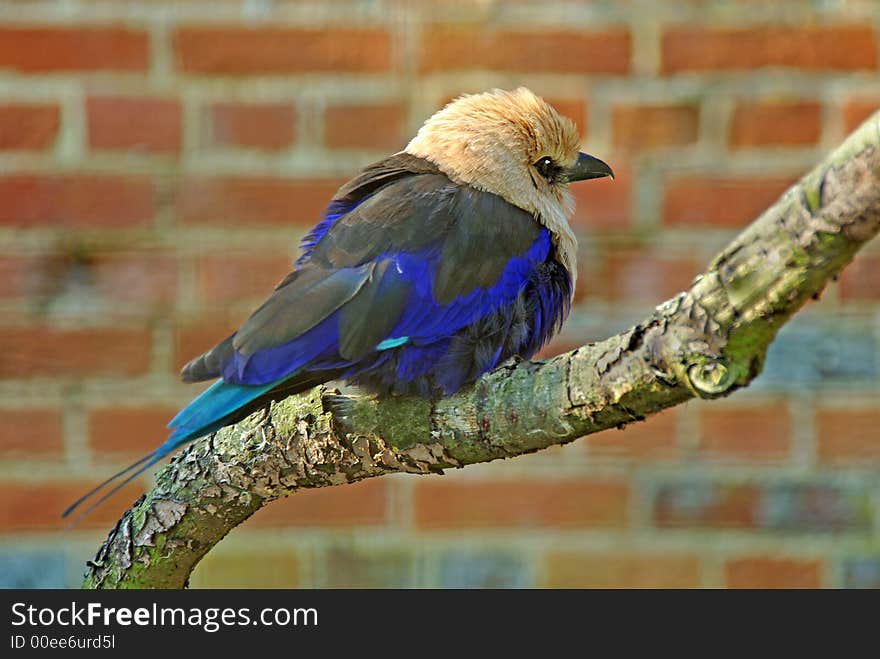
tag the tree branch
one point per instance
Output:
(705, 342)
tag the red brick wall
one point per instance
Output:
(160, 160)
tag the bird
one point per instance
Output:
(428, 269)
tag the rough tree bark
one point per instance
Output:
(705, 342)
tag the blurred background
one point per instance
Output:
(159, 162)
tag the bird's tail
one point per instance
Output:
(219, 405)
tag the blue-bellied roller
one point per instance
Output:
(428, 269)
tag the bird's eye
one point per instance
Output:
(547, 168)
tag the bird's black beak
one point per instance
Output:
(587, 167)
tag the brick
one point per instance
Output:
(745, 432)
(77, 353)
(848, 436)
(24, 568)
(447, 48)
(590, 264)
(37, 506)
(75, 200)
(358, 504)
(238, 201)
(768, 572)
(856, 111)
(860, 280)
(232, 278)
(234, 50)
(817, 352)
(557, 346)
(364, 127)
(73, 48)
(642, 127)
(627, 570)
(29, 126)
(812, 48)
(709, 505)
(797, 507)
(27, 276)
(638, 275)
(719, 202)
(862, 573)
(651, 439)
(266, 126)
(253, 569)
(147, 277)
(604, 204)
(561, 504)
(128, 430)
(574, 109)
(377, 568)
(143, 280)
(35, 432)
(465, 569)
(775, 124)
(150, 125)
(815, 508)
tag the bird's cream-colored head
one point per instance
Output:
(515, 145)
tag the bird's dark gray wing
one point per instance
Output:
(418, 239)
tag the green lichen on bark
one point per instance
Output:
(706, 342)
